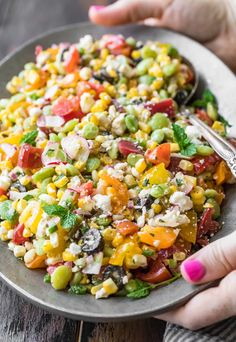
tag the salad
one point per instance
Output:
(104, 183)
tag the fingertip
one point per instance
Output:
(94, 13)
(192, 270)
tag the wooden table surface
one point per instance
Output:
(20, 321)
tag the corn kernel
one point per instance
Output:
(42, 144)
(197, 195)
(60, 193)
(99, 106)
(219, 127)
(157, 208)
(118, 240)
(67, 256)
(25, 180)
(21, 205)
(133, 92)
(6, 225)
(151, 144)
(61, 182)
(140, 166)
(94, 120)
(109, 286)
(95, 289)
(136, 54)
(106, 160)
(29, 256)
(3, 198)
(79, 165)
(174, 147)
(19, 251)
(155, 71)
(157, 84)
(52, 190)
(104, 53)
(32, 77)
(109, 234)
(145, 127)
(47, 247)
(26, 233)
(105, 97)
(173, 188)
(186, 165)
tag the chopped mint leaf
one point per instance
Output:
(30, 138)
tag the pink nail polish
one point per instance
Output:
(97, 8)
(194, 269)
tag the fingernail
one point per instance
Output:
(194, 269)
(97, 8)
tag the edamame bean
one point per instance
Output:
(45, 172)
(70, 125)
(108, 251)
(133, 158)
(211, 193)
(61, 135)
(143, 66)
(204, 150)
(113, 152)
(44, 185)
(169, 70)
(158, 191)
(90, 131)
(158, 121)
(146, 79)
(71, 170)
(76, 279)
(163, 94)
(92, 164)
(131, 285)
(61, 277)
(131, 41)
(215, 206)
(212, 111)
(147, 52)
(158, 136)
(103, 221)
(131, 123)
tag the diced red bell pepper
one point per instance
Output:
(156, 274)
(67, 108)
(117, 45)
(72, 60)
(18, 237)
(202, 164)
(126, 147)
(2, 192)
(165, 106)
(207, 225)
(85, 189)
(86, 86)
(30, 157)
(160, 154)
(202, 115)
(126, 227)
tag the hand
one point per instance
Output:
(213, 23)
(215, 261)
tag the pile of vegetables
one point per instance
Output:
(104, 183)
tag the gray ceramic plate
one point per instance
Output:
(30, 283)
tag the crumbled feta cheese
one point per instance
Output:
(35, 112)
(118, 125)
(125, 280)
(103, 202)
(194, 134)
(156, 243)
(10, 234)
(5, 182)
(172, 218)
(101, 294)
(74, 248)
(86, 42)
(54, 239)
(85, 73)
(119, 174)
(184, 202)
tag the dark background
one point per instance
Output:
(21, 20)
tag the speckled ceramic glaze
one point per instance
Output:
(28, 283)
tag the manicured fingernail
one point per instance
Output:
(194, 269)
(97, 8)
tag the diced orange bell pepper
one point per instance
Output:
(126, 227)
(188, 231)
(38, 262)
(158, 237)
(160, 154)
(223, 173)
(126, 250)
(156, 175)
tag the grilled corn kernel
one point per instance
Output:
(186, 165)
(94, 120)
(6, 225)
(95, 289)
(133, 92)
(47, 247)
(197, 195)
(21, 205)
(109, 286)
(144, 127)
(85, 204)
(27, 233)
(29, 256)
(136, 54)
(157, 208)
(42, 144)
(3, 198)
(106, 160)
(52, 190)
(99, 106)
(174, 147)
(105, 98)
(151, 144)
(155, 71)
(19, 251)
(118, 240)
(109, 234)
(67, 256)
(219, 127)
(173, 188)
(140, 166)
(79, 165)
(25, 180)
(61, 182)
(104, 53)
(60, 193)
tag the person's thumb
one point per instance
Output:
(125, 11)
(212, 262)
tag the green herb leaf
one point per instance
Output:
(141, 293)
(224, 121)
(199, 103)
(78, 289)
(7, 212)
(208, 96)
(30, 138)
(28, 197)
(47, 278)
(186, 147)
(55, 210)
(69, 220)
(148, 252)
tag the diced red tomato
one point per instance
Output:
(67, 108)
(207, 225)
(202, 115)
(156, 274)
(85, 189)
(72, 60)
(117, 45)
(160, 154)
(164, 106)
(126, 147)
(38, 49)
(126, 227)
(2, 192)
(30, 157)
(86, 86)
(202, 164)
(18, 237)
